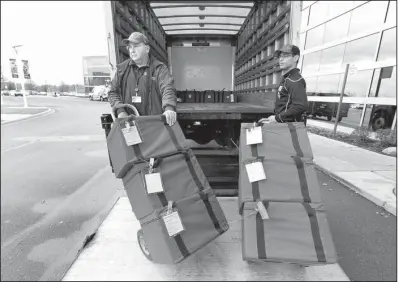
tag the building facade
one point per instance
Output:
(96, 71)
(363, 35)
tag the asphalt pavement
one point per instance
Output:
(364, 234)
(56, 186)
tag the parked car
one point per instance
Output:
(100, 93)
(327, 109)
(5, 93)
(18, 93)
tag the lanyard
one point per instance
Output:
(138, 76)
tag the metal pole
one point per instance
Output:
(341, 99)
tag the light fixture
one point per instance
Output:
(201, 17)
(202, 8)
(201, 25)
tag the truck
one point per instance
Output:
(217, 46)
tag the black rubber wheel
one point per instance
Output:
(378, 122)
(329, 118)
(340, 119)
(101, 99)
(143, 246)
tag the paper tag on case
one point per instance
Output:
(136, 99)
(254, 135)
(255, 171)
(153, 183)
(131, 135)
(173, 223)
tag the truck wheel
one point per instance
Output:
(340, 119)
(329, 118)
(143, 246)
(378, 121)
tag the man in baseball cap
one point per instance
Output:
(136, 38)
(144, 82)
(291, 102)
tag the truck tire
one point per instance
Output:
(329, 118)
(143, 246)
(379, 121)
(340, 119)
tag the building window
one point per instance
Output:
(361, 50)
(357, 85)
(367, 16)
(328, 84)
(332, 58)
(315, 37)
(311, 84)
(338, 7)
(337, 28)
(392, 12)
(318, 12)
(311, 62)
(384, 83)
(388, 45)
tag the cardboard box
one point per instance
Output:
(280, 140)
(158, 139)
(203, 221)
(289, 179)
(293, 233)
(181, 177)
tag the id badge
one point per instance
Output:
(131, 134)
(254, 135)
(173, 223)
(153, 182)
(136, 99)
(255, 171)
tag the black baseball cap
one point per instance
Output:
(288, 49)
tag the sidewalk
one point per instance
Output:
(370, 174)
(12, 114)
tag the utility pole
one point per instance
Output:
(21, 79)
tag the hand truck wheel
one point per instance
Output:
(143, 246)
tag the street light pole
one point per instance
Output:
(25, 101)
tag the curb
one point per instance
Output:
(385, 205)
(47, 112)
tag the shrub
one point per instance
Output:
(387, 137)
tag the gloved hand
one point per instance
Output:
(122, 115)
(171, 117)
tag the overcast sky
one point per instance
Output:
(55, 36)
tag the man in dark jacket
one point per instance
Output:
(291, 99)
(143, 82)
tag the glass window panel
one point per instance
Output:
(198, 31)
(98, 71)
(357, 85)
(375, 121)
(354, 114)
(315, 37)
(328, 84)
(197, 20)
(367, 16)
(361, 50)
(388, 45)
(304, 18)
(388, 84)
(209, 10)
(373, 87)
(311, 62)
(311, 84)
(392, 12)
(332, 58)
(338, 7)
(319, 12)
(93, 81)
(337, 28)
(196, 26)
